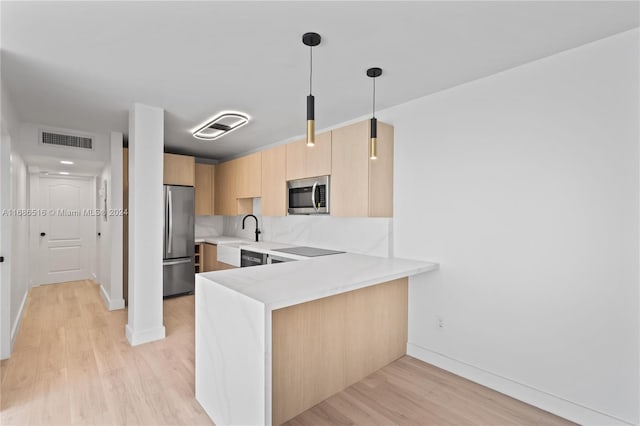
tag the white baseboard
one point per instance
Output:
(111, 305)
(543, 400)
(16, 326)
(144, 336)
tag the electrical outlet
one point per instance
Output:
(439, 322)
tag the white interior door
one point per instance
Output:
(66, 230)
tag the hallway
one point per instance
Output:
(72, 364)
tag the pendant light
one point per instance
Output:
(311, 40)
(373, 143)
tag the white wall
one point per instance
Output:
(19, 242)
(30, 147)
(13, 241)
(8, 130)
(525, 187)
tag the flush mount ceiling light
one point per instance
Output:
(373, 149)
(311, 40)
(66, 162)
(220, 125)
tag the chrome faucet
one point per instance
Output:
(258, 232)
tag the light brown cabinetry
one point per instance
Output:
(198, 259)
(309, 161)
(224, 190)
(274, 181)
(236, 183)
(248, 174)
(209, 257)
(321, 347)
(361, 186)
(204, 183)
(179, 170)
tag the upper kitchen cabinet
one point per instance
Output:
(179, 170)
(274, 181)
(224, 189)
(361, 186)
(236, 183)
(204, 189)
(309, 161)
(248, 174)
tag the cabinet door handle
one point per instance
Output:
(42, 234)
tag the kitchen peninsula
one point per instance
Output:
(274, 340)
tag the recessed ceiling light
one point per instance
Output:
(64, 173)
(66, 162)
(220, 125)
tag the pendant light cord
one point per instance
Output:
(374, 97)
(310, 68)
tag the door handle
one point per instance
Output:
(170, 222)
(313, 195)
(176, 262)
(42, 234)
(1, 259)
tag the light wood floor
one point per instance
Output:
(73, 365)
(411, 392)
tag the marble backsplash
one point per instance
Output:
(209, 226)
(372, 236)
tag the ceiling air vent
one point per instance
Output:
(71, 141)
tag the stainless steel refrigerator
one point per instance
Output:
(178, 263)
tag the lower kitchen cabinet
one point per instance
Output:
(198, 257)
(209, 257)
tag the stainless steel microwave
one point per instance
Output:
(309, 196)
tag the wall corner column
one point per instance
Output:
(146, 219)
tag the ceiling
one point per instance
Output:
(80, 65)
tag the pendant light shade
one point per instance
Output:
(373, 142)
(311, 40)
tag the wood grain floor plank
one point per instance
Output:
(73, 365)
(411, 392)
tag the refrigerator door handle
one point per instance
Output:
(176, 262)
(170, 202)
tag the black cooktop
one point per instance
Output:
(308, 251)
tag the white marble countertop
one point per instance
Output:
(221, 239)
(290, 283)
